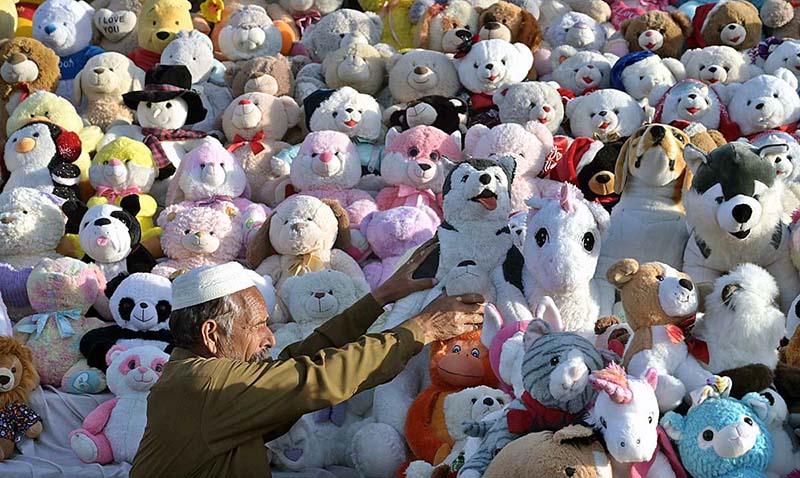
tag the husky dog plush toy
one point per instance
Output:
(648, 223)
(474, 233)
(734, 211)
(556, 371)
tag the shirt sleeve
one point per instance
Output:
(338, 331)
(254, 400)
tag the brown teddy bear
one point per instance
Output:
(573, 451)
(440, 28)
(733, 23)
(18, 378)
(270, 74)
(27, 67)
(660, 32)
(506, 21)
(782, 17)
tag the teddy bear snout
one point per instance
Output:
(353, 69)
(6, 380)
(733, 34)
(162, 35)
(49, 29)
(249, 37)
(651, 40)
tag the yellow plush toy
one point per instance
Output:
(24, 12)
(398, 31)
(121, 168)
(158, 23)
(46, 106)
(8, 19)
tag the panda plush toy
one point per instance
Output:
(109, 236)
(140, 304)
(446, 114)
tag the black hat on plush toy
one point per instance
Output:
(314, 101)
(167, 82)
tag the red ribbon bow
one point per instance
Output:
(306, 19)
(256, 146)
(537, 417)
(683, 332)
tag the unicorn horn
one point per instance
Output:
(616, 392)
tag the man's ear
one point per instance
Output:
(209, 332)
(622, 272)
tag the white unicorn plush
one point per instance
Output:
(562, 245)
(626, 413)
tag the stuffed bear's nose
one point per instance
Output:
(713, 69)
(546, 108)
(492, 26)
(143, 305)
(424, 166)
(349, 110)
(4, 379)
(485, 178)
(692, 96)
(421, 70)
(466, 263)
(99, 71)
(102, 222)
(603, 113)
(319, 295)
(760, 106)
(49, 29)
(603, 178)
(244, 102)
(686, 284)
(489, 66)
(489, 401)
(162, 35)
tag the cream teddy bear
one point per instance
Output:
(103, 81)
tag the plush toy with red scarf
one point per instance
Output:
(589, 164)
(555, 372)
(766, 102)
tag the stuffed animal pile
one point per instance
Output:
(619, 179)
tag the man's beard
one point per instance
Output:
(261, 356)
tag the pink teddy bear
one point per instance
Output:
(328, 166)
(210, 176)
(529, 145)
(393, 232)
(414, 164)
(197, 236)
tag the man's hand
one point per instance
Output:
(448, 317)
(401, 284)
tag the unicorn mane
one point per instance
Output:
(614, 382)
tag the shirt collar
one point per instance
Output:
(179, 353)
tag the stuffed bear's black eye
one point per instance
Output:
(641, 78)
(748, 420)
(341, 35)
(775, 95)
(456, 349)
(335, 114)
(434, 155)
(569, 471)
(35, 135)
(132, 364)
(464, 179)
(474, 400)
(13, 369)
(660, 278)
(413, 152)
(719, 199)
(708, 435)
(702, 67)
(588, 241)
(554, 361)
(541, 237)
(169, 105)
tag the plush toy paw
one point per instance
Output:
(35, 430)
(670, 392)
(89, 381)
(83, 446)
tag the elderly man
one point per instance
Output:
(214, 406)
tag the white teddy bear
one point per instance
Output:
(492, 64)
(65, 26)
(718, 65)
(31, 226)
(763, 103)
(607, 115)
(689, 100)
(787, 163)
(577, 30)
(474, 404)
(195, 51)
(581, 71)
(311, 300)
(531, 101)
(638, 73)
(347, 111)
(238, 41)
(786, 55)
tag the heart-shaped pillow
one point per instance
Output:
(114, 25)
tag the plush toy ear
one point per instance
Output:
(111, 286)
(541, 132)
(292, 110)
(573, 432)
(623, 27)
(365, 223)
(601, 216)
(536, 329)
(561, 54)
(759, 404)
(74, 210)
(531, 32)
(683, 22)
(287, 289)
(131, 204)
(492, 323)
(474, 136)
(776, 148)
(260, 246)
(137, 77)
(77, 95)
(621, 166)
(786, 76)
(343, 235)
(509, 165)
(651, 377)
(622, 272)
(573, 106)
(694, 157)
(391, 135)
(547, 310)
(673, 424)
(114, 352)
(657, 93)
(68, 146)
(676, 67)
(704, 289)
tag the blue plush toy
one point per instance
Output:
(721, 437)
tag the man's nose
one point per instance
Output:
(268, 341)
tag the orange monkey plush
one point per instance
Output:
(456, 364)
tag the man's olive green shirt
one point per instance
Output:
(210, 417)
